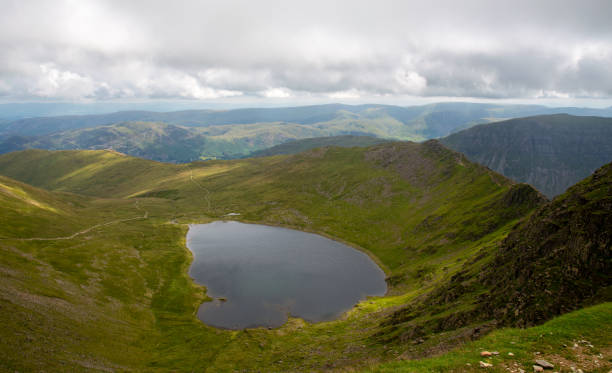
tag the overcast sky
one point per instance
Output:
(290, 51)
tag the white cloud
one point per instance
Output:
(53, 82)
(349, 94)
(276, 93)
(410, 81)
(105, 49)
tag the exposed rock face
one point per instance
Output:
(550, 152)
(558, 259)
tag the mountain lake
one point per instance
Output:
(258, 275)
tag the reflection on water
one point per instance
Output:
(264, 273)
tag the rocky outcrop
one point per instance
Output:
(557, 260)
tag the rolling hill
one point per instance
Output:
(550, 152)
(165, 142)
(105, 286)
(298, 146)
(406, 123)
(188, 135)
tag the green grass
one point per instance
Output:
(553, 341)
(118, 296)
(298, 146)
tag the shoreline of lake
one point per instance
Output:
(275, 273)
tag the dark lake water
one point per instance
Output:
(266, 273)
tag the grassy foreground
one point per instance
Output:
(93, 271)
(581, 339)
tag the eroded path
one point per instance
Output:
(144, 216)
(207, 195)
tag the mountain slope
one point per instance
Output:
(188, 135)
(588, 329)
(549, 152)
(416, 122)
(298, 146)
(163, 142)
(431, 218)
(27, 210)
(425, 193)
(76, 280)
(154, 141)
(557, 260)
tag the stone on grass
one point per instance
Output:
(484, 365)
(485, 353)
(544, 364)
(537, 368)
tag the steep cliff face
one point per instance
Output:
(557, 260)
(550, 152)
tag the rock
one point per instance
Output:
(485, 353)
(495, 352)
(537, 368)
(484, 365)
(544, 364)
(521, 370)
(510, 354)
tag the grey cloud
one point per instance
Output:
(218, 50)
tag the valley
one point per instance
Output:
(105, 285)
(306, 186)
(191, 135)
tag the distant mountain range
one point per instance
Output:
(550, 152)
(187, 135)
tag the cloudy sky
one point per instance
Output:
(290, 51)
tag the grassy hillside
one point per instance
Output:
(575, 340)
(79, 290)
(189, 135)
(550, 152)
(298, 146)
(68, 116)
(555, 261)
(111, 291)
(27, 211)
(428, 196)
(165, 142)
